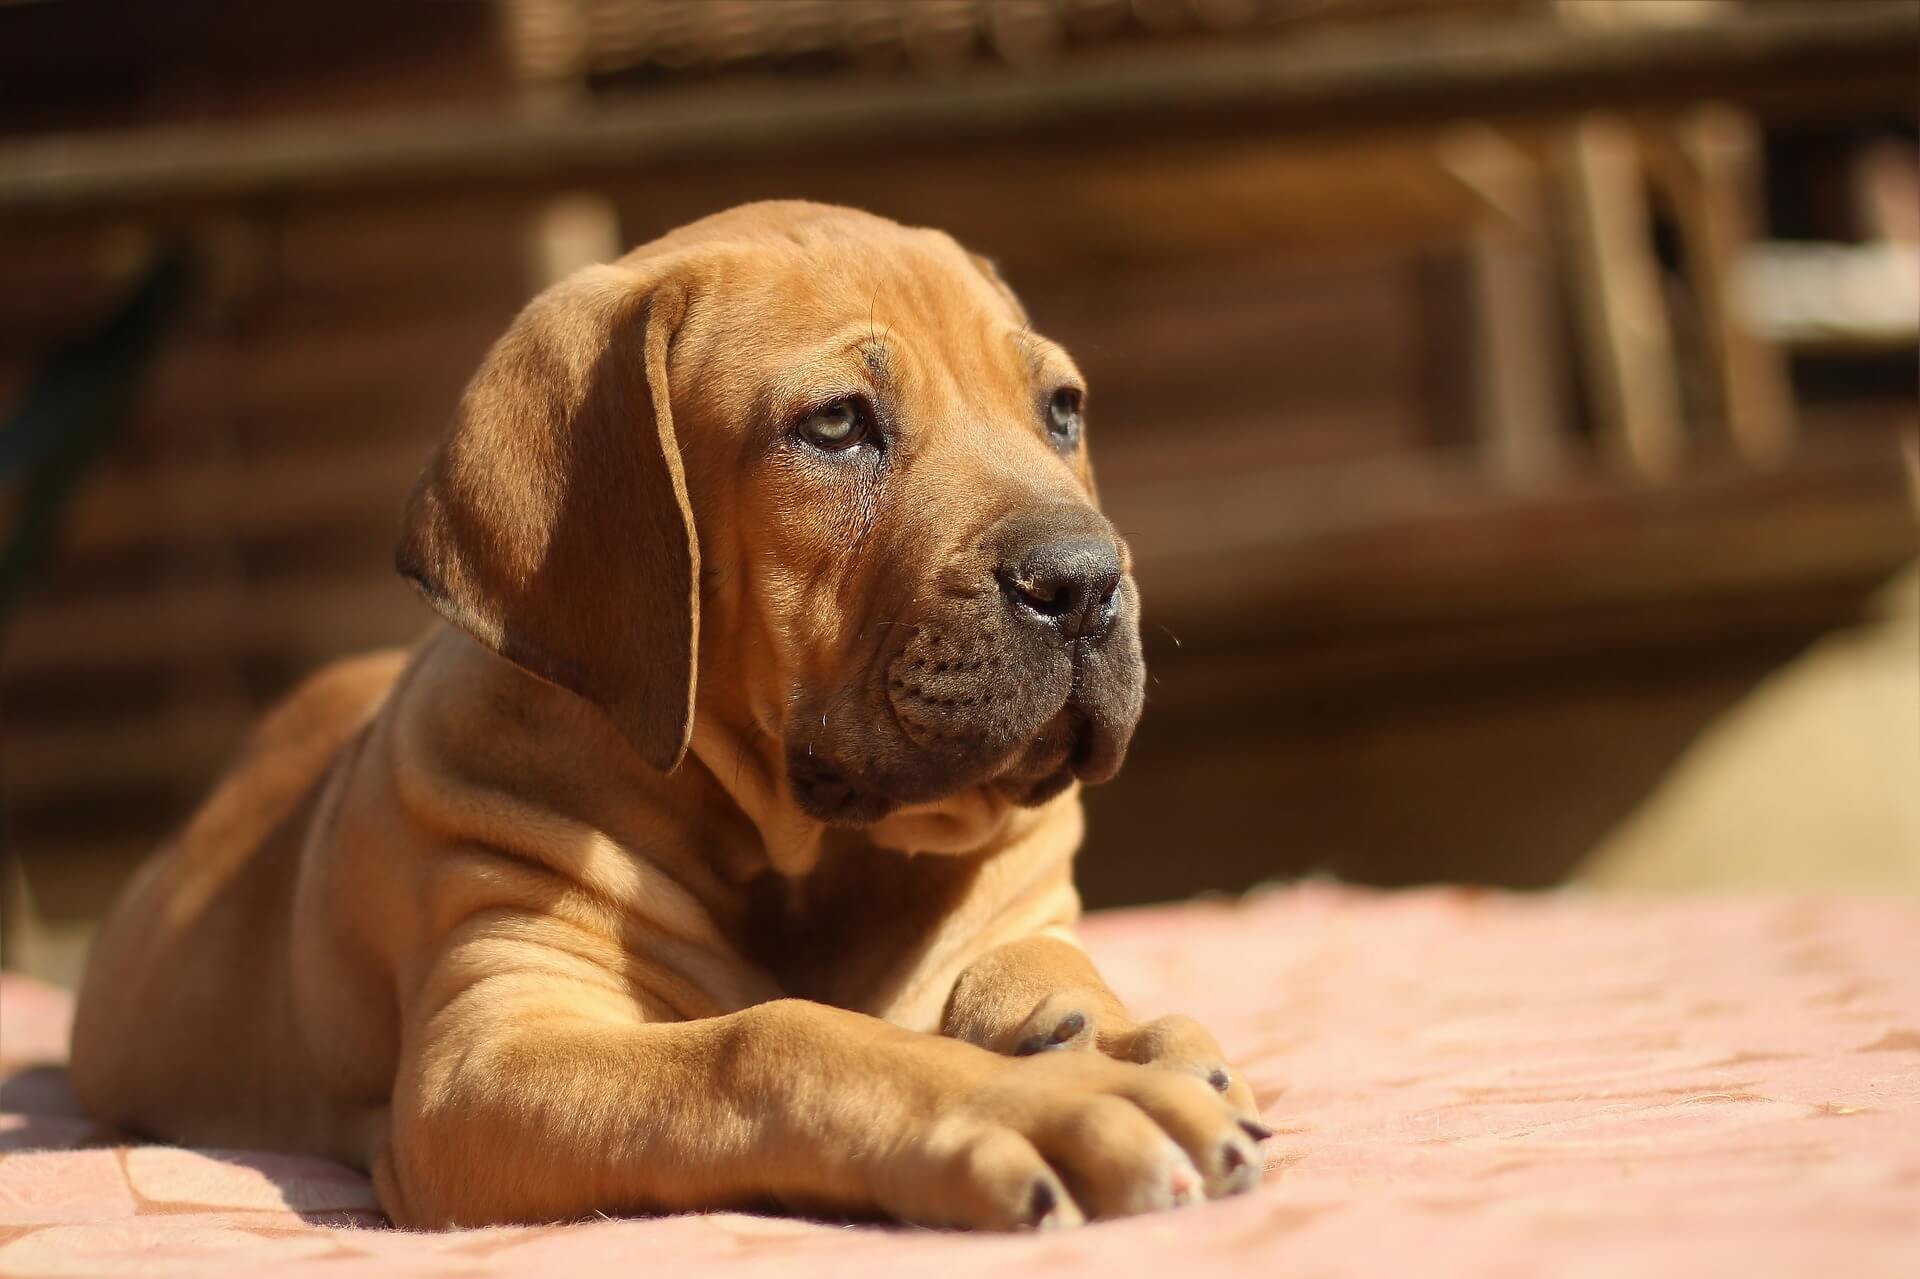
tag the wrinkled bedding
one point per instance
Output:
(1461, 1083)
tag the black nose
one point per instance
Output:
(1070, 585)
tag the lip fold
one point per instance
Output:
(1067, 716)
(825, 793)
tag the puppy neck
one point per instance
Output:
(745, 763)
(728, 799)
(745, 760)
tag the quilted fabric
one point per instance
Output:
(1462, 1084)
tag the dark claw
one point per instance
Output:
(1044, 1201)
(1255, 1129)
(1064, 1032)
(1220, 1080)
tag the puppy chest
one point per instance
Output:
(857, 930)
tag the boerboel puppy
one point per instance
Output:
(715, 851)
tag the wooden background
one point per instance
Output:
(1376, 652)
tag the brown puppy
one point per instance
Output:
(719, 852)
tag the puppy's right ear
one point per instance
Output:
(552, 523)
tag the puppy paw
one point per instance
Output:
(1058, 1138)
(1180, 1043)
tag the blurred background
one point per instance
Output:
(1511, 403)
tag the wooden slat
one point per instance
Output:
(1521, 393)
(180, 749)
(1804, 52)
(1336, 544)
(224, 496)
(1713, 158)
(1627, 341)
(201, 622)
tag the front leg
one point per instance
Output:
(534, 1087)
(1042, 993)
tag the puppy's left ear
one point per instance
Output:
(552, 523)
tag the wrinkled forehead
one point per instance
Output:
(788, 318)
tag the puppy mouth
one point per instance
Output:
(1064, 750)
(826, 793)
(1067, 747)
(952, 714)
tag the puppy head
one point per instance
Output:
(807, 473)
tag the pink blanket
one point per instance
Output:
(1462, 1084)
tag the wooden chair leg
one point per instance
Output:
(1709, 171)
(1626, 338)
(1519, 376)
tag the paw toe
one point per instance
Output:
(1066, 1031)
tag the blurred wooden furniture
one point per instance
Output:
(1409, 615)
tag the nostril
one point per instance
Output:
(1098, 618)
(1049, 598)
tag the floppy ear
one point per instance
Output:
(552, 523)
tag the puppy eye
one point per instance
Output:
(1063, 416)
(837, 426)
